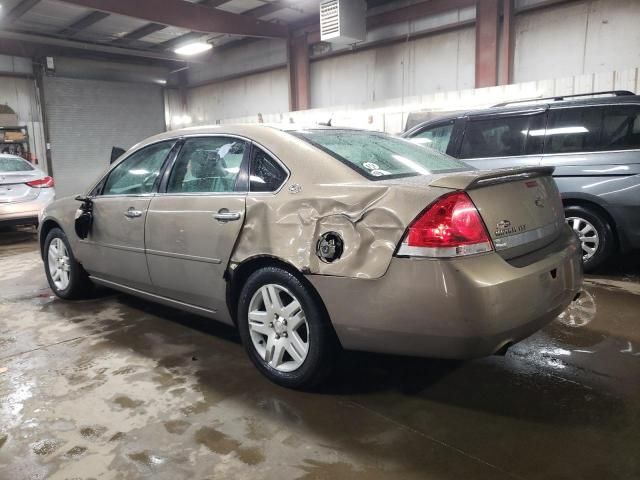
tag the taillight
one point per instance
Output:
(451, 227)
(46, 182)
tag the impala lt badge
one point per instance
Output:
(503, 228)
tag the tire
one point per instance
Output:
(276, 338)
(76, 283)
(594, 231)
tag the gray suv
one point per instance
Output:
(593, 143)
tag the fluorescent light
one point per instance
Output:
(193, 48)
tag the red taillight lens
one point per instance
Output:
(451, 227)
(46, 182)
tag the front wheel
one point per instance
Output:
(595, 234)
(284, 329)
(65, 275)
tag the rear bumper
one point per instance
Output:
(23, 213)
(457, 308)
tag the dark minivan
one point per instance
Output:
(593, 143)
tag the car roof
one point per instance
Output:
(535, 105)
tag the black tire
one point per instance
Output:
(322, 343)
(80, 286)
(607, 242)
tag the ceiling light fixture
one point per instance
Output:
(193, 48)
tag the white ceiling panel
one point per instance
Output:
(240, 6)
(49, 17)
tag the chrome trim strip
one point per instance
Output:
(511, 241)
(152, 296)
(183, 256)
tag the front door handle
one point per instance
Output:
(225, 215)
(132, 213)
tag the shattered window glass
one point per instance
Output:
(378, 155)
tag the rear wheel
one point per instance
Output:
(595, 234)
(284, 329)
(66, 276)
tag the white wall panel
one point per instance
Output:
(436, 63)
(260, 93)
(576, 38)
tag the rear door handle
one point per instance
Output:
(225, 215)
(132, 213)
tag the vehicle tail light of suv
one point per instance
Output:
(450, 227)
(46, 182)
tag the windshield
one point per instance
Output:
(14, 164)
(379, 156)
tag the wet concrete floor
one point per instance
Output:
(119, 388)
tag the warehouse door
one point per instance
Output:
(86, 118)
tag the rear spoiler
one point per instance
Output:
(482, 178)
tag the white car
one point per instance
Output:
(24, 191)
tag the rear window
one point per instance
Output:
(14, 164)
(379, 156)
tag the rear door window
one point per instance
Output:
(571, 130)
(506, 136)
(436, 137)
(207, 165)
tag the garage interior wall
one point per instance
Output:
(18, 91)
(263, 92)
(556, 42)
(577, 38)
(87, 118)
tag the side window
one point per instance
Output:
(503, 137)
(207, 165)
(266, 175)
(435, 137)
(621, 128)
(137, 174)
(575, 129)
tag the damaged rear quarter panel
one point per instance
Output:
(370, 217)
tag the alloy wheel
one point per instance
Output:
(278, 328)
(59, 264)
(587, 234)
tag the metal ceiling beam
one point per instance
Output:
(192, 16)
(84, 22)
(47, 41)
(19, 10)
(418, 10)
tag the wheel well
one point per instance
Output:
(238, 277)
(45, 228)
(576, 202)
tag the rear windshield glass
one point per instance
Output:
(13, 164)
(379, 156)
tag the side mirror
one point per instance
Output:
(116, 152)
(84, 217)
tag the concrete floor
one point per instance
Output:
(119, 388)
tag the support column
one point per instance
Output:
(299, 92)
(506, 43)
(487, 16)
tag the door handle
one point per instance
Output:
(132, 213)
(225, 215)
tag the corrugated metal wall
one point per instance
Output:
(87, 118)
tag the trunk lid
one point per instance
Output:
(14, 188)
(521, 207)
